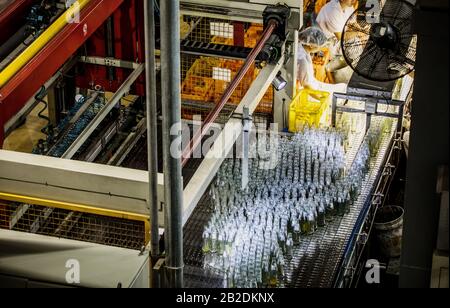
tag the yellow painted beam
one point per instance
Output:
(80, 208)
(70, 15)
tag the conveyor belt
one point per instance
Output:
(316, 261)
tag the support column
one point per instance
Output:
(152, 127)
(171, 131)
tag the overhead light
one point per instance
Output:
(279, 83)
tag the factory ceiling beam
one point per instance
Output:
(16, 92)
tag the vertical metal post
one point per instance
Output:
(171, 106)
(246, 123)
(152, 142)
(400, 120)
(368, 121)
(333, 111)
(110, 46)
(53, 105)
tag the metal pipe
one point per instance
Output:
(171, 104)
(41, 41)
(110, 46)
(152, 127)
(15, 40)
(212, 116)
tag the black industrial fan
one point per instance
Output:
(377, 40)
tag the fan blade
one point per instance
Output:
(376, 60)
(349, 44)
(357, 29)
(367, 51)
(402, 22)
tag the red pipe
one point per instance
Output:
(212, 116)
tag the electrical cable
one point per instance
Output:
(39, 98)
(157, 10)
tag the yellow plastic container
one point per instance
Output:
(307, 108)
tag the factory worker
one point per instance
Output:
(331, 19)
(333, 16)
(311, 40)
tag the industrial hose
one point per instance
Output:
(39, 97)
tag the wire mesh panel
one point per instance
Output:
(205, 78)
(73, 225)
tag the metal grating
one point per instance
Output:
(73, 225)
(317, 260)
(195, 275)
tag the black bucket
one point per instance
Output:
(389, 230)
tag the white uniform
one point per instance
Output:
(305, 68)
(332, 19)
(305, 74)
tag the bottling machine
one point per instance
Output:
(86, 181)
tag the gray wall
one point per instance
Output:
(428, 143)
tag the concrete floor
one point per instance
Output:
(26, 137)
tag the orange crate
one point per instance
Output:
(197, 88)
(268, 97)
(189, 112)
(319, 5)
(222, 40)
(238, 94)
(252, 35)
(198, 84)
(320, 60)
(203, 67)
(322, 57)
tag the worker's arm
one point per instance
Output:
(313, 95)
(303, 79)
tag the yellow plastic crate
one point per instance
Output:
(307, 108)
